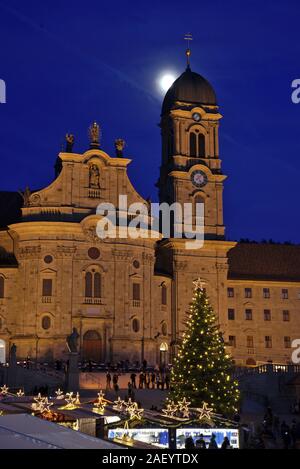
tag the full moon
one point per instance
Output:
(165, 81)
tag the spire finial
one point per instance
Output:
(188, 37)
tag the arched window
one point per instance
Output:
(88, 285)
(1, 287)
(92, 284)
(197, 144)
(135, 325)
(46, 323)
(164, 295)
(201, 146)
(193, 144)
(97, 285)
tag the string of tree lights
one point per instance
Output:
(202, 368)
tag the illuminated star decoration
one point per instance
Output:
(59, 394)
(119, 404)
(1, 412)
(205, 411)
(170, 410)
(4, 390)
(38, 403)
(198, 284)
(100, 404)
(20, 393)
(183, 406)
(70, 400)
(45, 407)
(128, 403)
(134, 412)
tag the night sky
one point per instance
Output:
(68, 63)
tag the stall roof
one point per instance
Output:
(23, 431)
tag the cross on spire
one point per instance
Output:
(188, 37)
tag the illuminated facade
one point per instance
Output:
(127, 298)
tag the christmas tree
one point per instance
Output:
(202, 368)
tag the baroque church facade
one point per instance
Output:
(127, 298)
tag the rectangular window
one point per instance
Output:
(248, 314)
(136, 291)
(267, 315)
(268, 341)
(287, 342)
(230, 292)
(231, 314)
(232, 341)
(285, 315)
(164, 295)
(266, 293)
(284, 293)
(250, 342)
(248, 292)
(47, 287)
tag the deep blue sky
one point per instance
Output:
(67, 63)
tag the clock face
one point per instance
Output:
(199, 178)
(196, 116)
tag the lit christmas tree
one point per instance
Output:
(202, 368)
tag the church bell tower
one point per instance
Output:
(191, 168)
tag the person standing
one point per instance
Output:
(153, 380)
(200, 443)
(226, 443)
(108, 380)
(213, 443)
(133, 382)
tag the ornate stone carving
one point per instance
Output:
(35, 199)
(94, 135)
(91, 234)
(70, 139)
(122, 255)
(180, 265)
(94, 176)
(29, 251)
(119, 146)
(65, 251)
(148, 258)
(26, 196)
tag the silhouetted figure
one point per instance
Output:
(200, 443)
(226, 443)
(213, 443)
(108, 380)
(189, 443)
(133, 377)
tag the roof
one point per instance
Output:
(23, 431)
(262, 261)
(191, 88)
(10, 207)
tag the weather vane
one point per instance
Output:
(188, 37)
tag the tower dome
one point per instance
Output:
(190, 88)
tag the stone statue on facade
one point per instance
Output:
(94, 135)
(119, 146)
(13, 355)
(72, 341)
(70, 139)
(94, 177)
(26, 196)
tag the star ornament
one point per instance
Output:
(119, 404)
(205, 412)
(4, 390)
(20, 393)
(170, 410)
(59, 394)
(183, 406)
(198, 284)
(136, 413)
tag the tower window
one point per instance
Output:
(230, 292)
(197, 144)
(47, 287)
(46, 323)
(248, 314)
(248, 292)
(266, 293)
(231, 314)
(267, 315)
(1, 287)
(135, 325)
(164, 295)
(136, 291)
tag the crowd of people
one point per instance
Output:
(140, 380)
(280, 431)
(200, 443)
